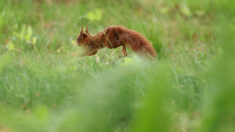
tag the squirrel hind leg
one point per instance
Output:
(124, 50)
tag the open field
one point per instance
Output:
(188, 88)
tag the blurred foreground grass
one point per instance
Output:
(189, 88)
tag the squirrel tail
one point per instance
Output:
(139, 43)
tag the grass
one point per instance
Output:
(188, 88)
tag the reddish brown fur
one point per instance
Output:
(114, 37)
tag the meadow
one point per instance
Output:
(189, 87)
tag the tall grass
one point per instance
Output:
(188, 88)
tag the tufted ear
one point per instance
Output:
(81, 32)
(84, 35)
(87, 30)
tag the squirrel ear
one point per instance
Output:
(84, 35)
(86, 29)
(81, 32)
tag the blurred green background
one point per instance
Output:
(188, 88)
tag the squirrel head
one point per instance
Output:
(82, 36)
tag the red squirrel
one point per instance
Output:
(114, 37)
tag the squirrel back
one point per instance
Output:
(137, 42)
